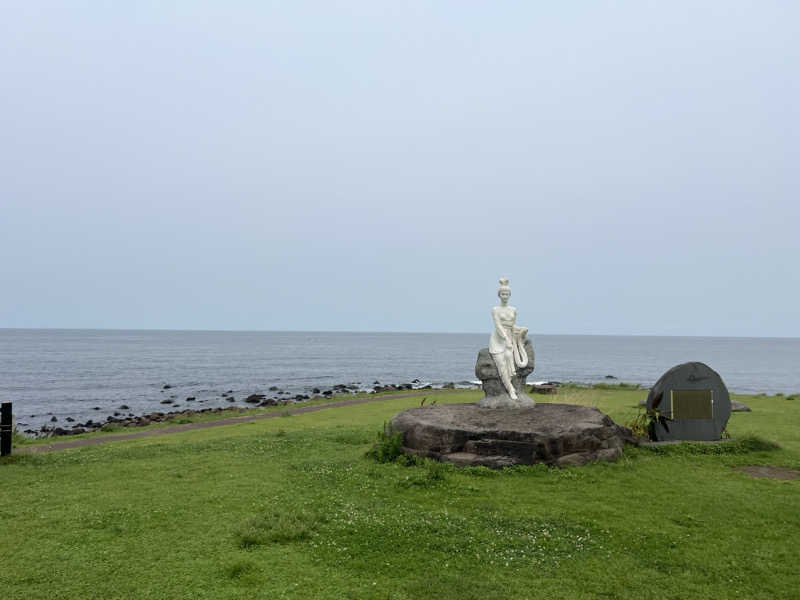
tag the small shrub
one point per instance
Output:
(17, 438)
(644, 423)
(388, 447)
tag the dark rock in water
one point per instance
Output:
(737, 406)
(230, 399)
(60, 431)
(300, 397)
(549, 433)
(273, 388)
(254, 398)
(315, 391)
(167, 387)
(415, 381)
(191, 399)
(166, 401)
(124, 407)
(327, 393)
(77, 430)
(610, 377)
(96, 408)
(53, 419)
(376, 382)
(69, 420)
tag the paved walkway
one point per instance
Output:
(93, 441)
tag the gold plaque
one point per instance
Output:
(692, 404)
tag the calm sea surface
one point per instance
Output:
(70, 372)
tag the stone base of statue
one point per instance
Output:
(553, 434)
(495, 393)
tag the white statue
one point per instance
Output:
(507, 343)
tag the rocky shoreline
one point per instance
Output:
(123, 418)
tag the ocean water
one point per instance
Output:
(89, 373)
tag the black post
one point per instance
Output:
(5, 428)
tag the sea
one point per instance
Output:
(85, 374)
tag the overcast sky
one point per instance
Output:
(632, 167)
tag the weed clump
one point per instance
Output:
(742, 445)
(388, 447)
(277, 527)
(238, 569)
(434, 474)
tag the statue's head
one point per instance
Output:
(504, 292)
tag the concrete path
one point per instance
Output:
(93, 441)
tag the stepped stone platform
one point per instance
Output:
(549, 433)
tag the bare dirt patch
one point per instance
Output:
(779, 473)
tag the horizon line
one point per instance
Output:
(350, 331)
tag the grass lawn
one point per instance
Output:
(290, 508)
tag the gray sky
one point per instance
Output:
(631, 166)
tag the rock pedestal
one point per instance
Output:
(495, 394)
(553, 434)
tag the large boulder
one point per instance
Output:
(495, 393)
(553, 434)
(737, 406)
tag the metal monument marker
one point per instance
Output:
(692, 403)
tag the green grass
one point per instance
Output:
(292, 508)
(178, 418)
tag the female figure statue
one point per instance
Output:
(507, 343)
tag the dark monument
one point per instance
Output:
(691, 403)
